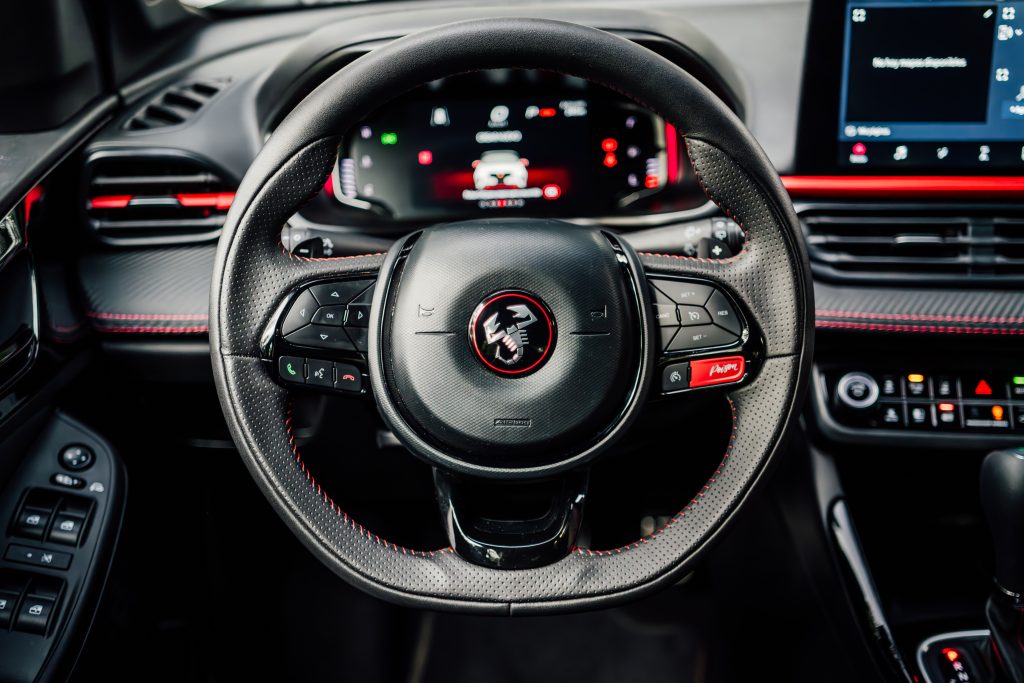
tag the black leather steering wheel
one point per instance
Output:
(555, 274)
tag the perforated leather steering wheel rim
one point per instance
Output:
(770, 276)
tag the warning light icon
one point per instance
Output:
(982, 388)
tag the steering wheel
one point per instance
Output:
(509, 350)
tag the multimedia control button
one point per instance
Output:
(691, 316)
(722, 313)
(66, 529)
(366, 297)
(31, 523)
(360, 336)
(330, 315)
(37, 557)
(349, 378)
(857, 390)
(686, 293)
(890, 386)
(291, 369)
(358, 315)
(675, 377)
(34, 614)
(709, 371)
(665, 315)
(322, 337)
(700, 337)
(77, 457)
(339, 292)
(300, 313)
(890, 415)
(8, 601)
(919, 415)
(321, 373)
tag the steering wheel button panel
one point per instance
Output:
(299, 314)
(710, 371)
(322, 337)
(723, 314)
(692, 316)
(321, 373)
(665, 315)
(358, 315)
(339, 292)
(348, 377)
(681, 292)
(704, 336)
(330, 315)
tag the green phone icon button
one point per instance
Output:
(291, 370)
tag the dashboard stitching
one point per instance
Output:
(198, 329)
(933, 329)
(346, 519)
(148, 316)
(679, 515)
(829, 313)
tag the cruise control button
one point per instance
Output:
(31, 523)
(665, 315)
(690, 338)
(300, 313)
(330, 315)
(675, 377)
(689, 293)
(322, 337)
(34, 614)
(292, 369)
(722, 313)
(358, 315)
(339, 292)
(667, 333)
(321, 373)
(691, 316)
(660, 297)
(349, 378)
(709, 371)
(66, 529)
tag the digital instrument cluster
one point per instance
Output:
(509, 142)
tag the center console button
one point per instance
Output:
(691, 316)
(857, 390)
(984, 387)
(890, 416)
(919, 415)
(1018, 417)
(987, 416)
(945, 386)
(890, 386)
(300, 313)
(915, 385)
(947, 415)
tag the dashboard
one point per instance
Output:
(512, 141)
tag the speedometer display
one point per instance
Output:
(529, 143)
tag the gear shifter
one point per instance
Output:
(1002, 497)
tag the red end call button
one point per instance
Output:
(716, 370)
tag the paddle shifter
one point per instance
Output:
(1002, 496)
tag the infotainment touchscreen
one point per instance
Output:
(932, 83)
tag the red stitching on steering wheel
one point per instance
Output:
(679, 515)
(341, 513)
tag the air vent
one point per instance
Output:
(154, 199)
(936, 248)
(175, 105)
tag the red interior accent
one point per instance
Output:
(217, 200)
(904, 186)
(672, 153)
(33, 196)
(708, 371)
(113, 201)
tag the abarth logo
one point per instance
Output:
(512, 333)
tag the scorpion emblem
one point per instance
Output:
(514, 337)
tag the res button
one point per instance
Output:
(710, 371)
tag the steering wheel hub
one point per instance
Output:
(523, 397)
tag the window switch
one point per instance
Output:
(31, 523)
(8, 601)
(66, 529)
(34, 614)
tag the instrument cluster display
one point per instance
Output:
(507, 142)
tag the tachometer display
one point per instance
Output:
(441, 152)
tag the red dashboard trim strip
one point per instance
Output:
(904, 186)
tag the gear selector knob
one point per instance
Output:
(1002, 497)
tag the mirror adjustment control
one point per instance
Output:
(77, 457)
